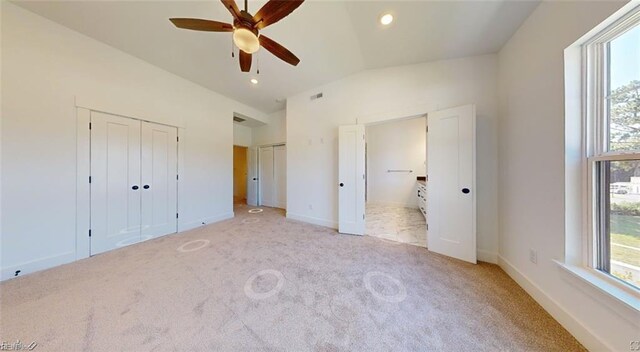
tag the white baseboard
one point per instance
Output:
(64, 258)
(557, 311)
(312, 220)
(487, 257)
(37, 265)
(204, 221)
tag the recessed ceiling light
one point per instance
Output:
(386, 19)
(254, 81)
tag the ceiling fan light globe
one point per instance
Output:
(246, 40)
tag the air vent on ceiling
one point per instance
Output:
(238, 119)
(316, 96)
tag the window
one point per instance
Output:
(613, 149)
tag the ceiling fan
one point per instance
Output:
(245, 29)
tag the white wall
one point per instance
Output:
(399, 145)
(46, 69)
(273, 132)
(242, 135)
(378, 95)
(532, 172)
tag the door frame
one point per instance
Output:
(258, 198)
(410, 113)
(247, 184)
(425, 116)
(83, 172)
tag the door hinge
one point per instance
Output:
(89, 179)
(89, 125)
(89, 232)
(362, 216)
(427, 227)
(427, 129)
(177, 177)
(176, 215)
(177, 139)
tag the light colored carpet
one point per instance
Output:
(262, 283)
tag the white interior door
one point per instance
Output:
(115, 182)
(252, 176)
(280, 175)
(159, 187)
(265, 177)
(351, 182)
(451, 194)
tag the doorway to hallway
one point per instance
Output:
(240, 174)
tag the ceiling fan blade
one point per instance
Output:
(232, 7)
(201, 25)
(245, 61)
(278, 50)
(274, 11)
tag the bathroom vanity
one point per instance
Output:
(422, 195)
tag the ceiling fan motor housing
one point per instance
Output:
(245, 37)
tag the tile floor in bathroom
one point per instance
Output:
(396, 223)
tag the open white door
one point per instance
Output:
(252, 176)
(451, 191)
(351, 187)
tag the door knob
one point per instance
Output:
(341, 184)
(465, 190)
(135, 187)
(145, 186)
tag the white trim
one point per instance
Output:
(268, 145)
(181, 173)
(583, 334)
(312, 220)
(622, 156)
(487, 256)
(83, 189)
(623, 301)
(204, 221)
(100, 104)
(39, 264)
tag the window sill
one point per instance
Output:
(624, 301)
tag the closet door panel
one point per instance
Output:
(159, 180)
(266, 177)
(280, 175)
(115, 182)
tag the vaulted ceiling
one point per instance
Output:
(333, 39)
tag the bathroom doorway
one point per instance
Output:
(396, 164)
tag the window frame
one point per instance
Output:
(595, 87)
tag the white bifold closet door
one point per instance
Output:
(272, 176)
(159, 184)
(133, 181)
(266, 176)
(280, 176)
